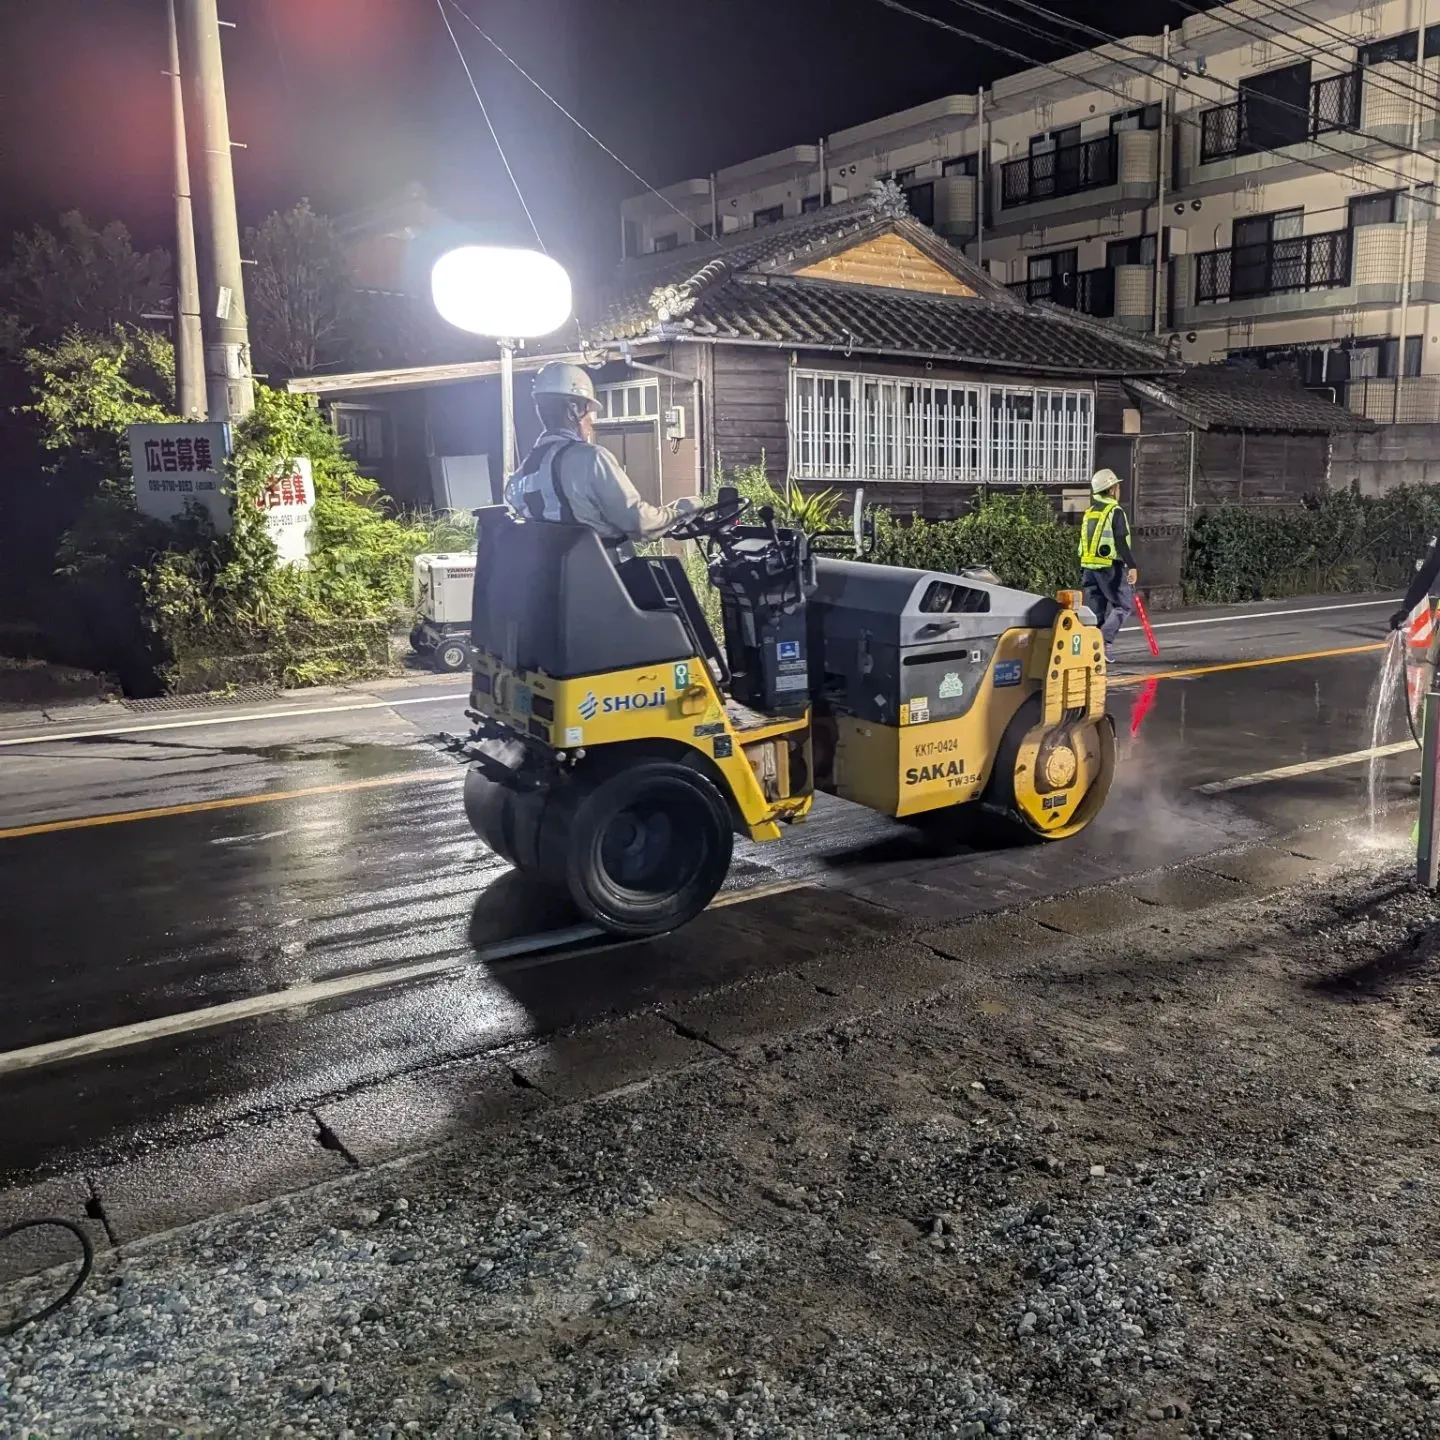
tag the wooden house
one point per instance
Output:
(845, 347)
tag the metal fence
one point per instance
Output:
(1067, 170)
(1092, 292)
(1257, 122)
(1277, 267)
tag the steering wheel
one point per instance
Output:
(709, 520)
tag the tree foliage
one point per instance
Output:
(207, 609)
(77, 277)
(299, 294)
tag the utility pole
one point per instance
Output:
(189, 340)
(227, 334)
(1161, 143)
(1407, 260)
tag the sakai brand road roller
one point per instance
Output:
(619, 745)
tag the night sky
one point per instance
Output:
(348, 101)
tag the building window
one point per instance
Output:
(1402, 48)
(363, 430)
(1147, 117)
(768, 216)
(921, 200)
(667, 242)
(869, 427)
(631, 239)
(1139, 250)
(811, 203)
(962, 165)
(630, 400)
(1373, 209)
(705, 231)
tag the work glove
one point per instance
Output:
(1398, 619)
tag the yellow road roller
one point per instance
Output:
(619, 745)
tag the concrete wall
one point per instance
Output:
(1396, 455)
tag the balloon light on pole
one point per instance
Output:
(506, 295)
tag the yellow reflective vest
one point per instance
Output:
(1097, 536)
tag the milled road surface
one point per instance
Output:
(1151, 1162)
(322, 848)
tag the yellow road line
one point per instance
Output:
(1128, 680)
(235, 802)
(231, 802)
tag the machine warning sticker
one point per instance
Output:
(787, 650)
(715, 727)
(1075, 645)
(682, 675)
(520, 699)
(575, 735)
(1053, 802)
(952, 687)
(589, 707)
(1008, 672)
(791, 682)
(920, 710)
(724, 747)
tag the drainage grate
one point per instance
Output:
(244, 695)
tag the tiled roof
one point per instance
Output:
(1229, 397)
(743, 289)
(819, 314)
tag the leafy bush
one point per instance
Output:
(1016, 534)
(217, 609)
(1335, 542)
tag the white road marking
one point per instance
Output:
(1273, 614)
(199, 722)
(1305, 767)
(299, 997)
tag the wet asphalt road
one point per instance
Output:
(348, 853)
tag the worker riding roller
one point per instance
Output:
(568, 479)
(1106, 562)
(620, 744)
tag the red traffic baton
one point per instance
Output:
(1145, 625)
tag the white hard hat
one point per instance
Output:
(571, 381)
(1102, 481)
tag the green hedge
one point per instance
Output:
(1336, 542)
(1019, 535)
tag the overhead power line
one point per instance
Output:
(1031, 62)
(1177, 66)
(579, 125)
(1055, 18)
(1273, 37)
(489, 124)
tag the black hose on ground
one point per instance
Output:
(87, 1264)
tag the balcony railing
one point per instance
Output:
(1278, 267)
(1091, 292)
(1256, 122)
(1067, 170)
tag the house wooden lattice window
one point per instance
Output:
(877, 428)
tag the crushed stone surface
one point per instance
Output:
(1178, 1182)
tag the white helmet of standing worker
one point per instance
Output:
(571, 381)
(1103, 481)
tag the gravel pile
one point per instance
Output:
(1181, 1191)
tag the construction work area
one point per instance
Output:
(1155, 1160)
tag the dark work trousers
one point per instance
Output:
(1109, 594)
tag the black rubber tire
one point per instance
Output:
(644, 850)
(506, 819)
(451, 656)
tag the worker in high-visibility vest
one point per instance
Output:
(1416, 618)
(1106, 562)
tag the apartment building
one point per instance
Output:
(1282, 155)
